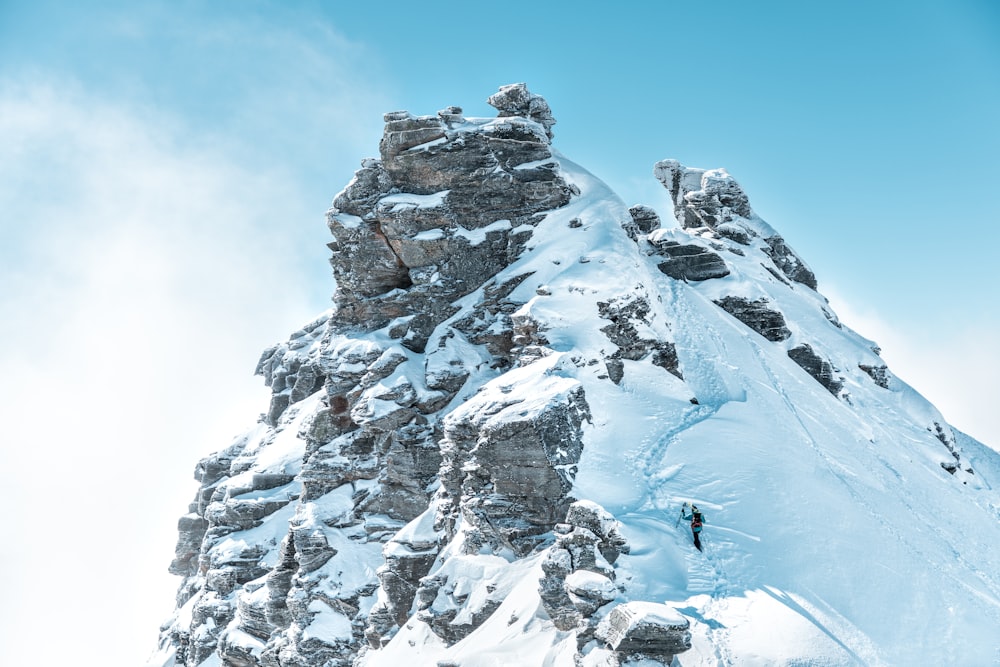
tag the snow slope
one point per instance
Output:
(833, 532)
(849, 525)
(833, 536)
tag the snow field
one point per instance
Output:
(833, 535)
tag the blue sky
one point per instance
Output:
(165, 167)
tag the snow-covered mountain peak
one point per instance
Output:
(480, 454)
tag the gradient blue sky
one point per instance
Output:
(165, 167)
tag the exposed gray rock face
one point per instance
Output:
(490, 323)
(191, 531)
(816, 366)
(515, 100)
(702, 198)
(450, 203)
(290, 376)
(578, 574)
(713, 200)
(235, 496)
(625, 316)
(789, 263)
(644, 220)
(645, 631)
(507, 468)
(552, 590)
(689, 261)
(879, 373)
(755, 314)
(356, 423)
(409, 556)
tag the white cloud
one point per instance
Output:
(161, 213)
(141, 277)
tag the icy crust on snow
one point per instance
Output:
(846, 521)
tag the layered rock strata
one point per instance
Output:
(415, 475)
(713, 200)
(643, 631)
(716, 222)
(450, 203)
(716, 218)
(312, 537)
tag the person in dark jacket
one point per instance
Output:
(696, 520)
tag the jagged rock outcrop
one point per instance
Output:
(508, 465)
(818, 367)
(627, 316)
(878, 373)
(290, 375)
(644, 220)
(490, 323)
(424, 478)
(689, 261)
(454, 602)
(712, 199)
(516, 100)
(578, 569)
(638, 631)
(408, 556)
(238, 494)
(450, 203)
(755, 314)
(789, 263)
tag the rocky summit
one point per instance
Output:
(484, 452)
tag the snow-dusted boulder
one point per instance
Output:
(755, 314)
(712, 199)
(818, 367)
(516, 100)
(643, 220)
(645, 630)
(689, 261)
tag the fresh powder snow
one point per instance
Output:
(845, 521)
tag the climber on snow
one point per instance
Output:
(696, 520)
